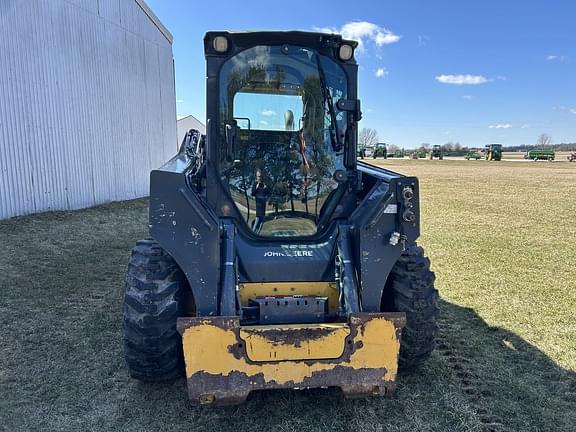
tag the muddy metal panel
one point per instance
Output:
(225, 362)
(188, 231)
(383, 228)
(87, 103)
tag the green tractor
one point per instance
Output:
(473, 154)
(436, 152)
(398, 154)
(493, 152)
(380, 151)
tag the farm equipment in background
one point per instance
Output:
(493, 152)
(380, 151)
(436, 152)
(571, 157)
(473, 154)
(398, 154)
(540, 154)
(276, 258)
(418, 154)
(365, 151)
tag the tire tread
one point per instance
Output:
(152, 303)
(410, 289)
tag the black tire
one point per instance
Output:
(410, 289)
(154, 298)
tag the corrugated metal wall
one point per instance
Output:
(87, 103)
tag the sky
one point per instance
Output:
(473, 72)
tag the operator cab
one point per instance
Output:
(282, 140)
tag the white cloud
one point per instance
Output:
(462, 79)
(268, 113)
(525, 126)
(386, 38)
(560, 58)
(364, 31)
(565, 109)
(468, 97)
(500, 126)
(263, 122)
(381, 72)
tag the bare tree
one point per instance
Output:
(367, 137)
(424, 147)
(393, 148)
(544, 140)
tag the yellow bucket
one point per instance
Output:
(226, 361)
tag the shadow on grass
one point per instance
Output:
(479, 378)
(61, 361)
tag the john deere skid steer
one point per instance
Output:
(276, 259)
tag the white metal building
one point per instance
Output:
(87, 102)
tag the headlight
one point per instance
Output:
(345, 52)
(220, 44)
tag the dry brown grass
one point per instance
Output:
(502, 238)
(502, 241)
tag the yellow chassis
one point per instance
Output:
(226, 361)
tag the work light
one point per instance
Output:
(345, 52)
(220, 44)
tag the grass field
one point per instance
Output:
(502, 239)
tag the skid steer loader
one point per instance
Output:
(276, 259)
